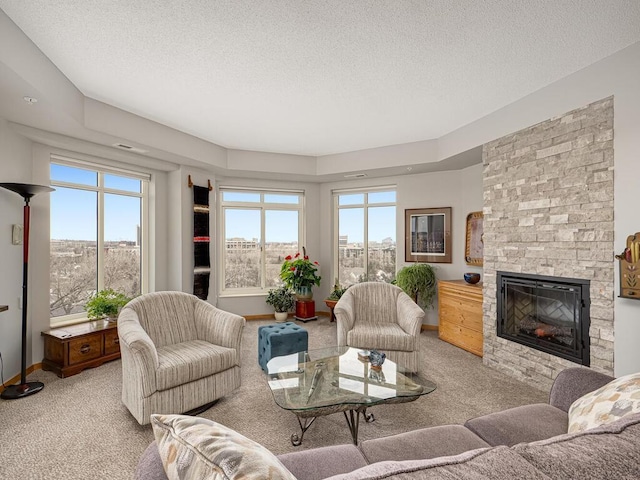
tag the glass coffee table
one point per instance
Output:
(339, 379)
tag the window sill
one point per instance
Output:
(66, 323)
(242, 294)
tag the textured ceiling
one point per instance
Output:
(320, 77)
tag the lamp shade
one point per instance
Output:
(26, 190)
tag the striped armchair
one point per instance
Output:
(380, 316)
(178, 353)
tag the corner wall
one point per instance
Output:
(548, 193)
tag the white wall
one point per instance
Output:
(461, 190)
(27, 162)
(15, 166)
(616, 75)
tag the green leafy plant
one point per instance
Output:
(282, 299)
(337, 292)
(419, 282)
(298, 272)
(106, 303)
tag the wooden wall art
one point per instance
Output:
(474, 244)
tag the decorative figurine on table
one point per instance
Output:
(376, 359)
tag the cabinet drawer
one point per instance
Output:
(461, 337)
(111, 342)
(85, 348)
(467, 315)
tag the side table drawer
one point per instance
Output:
(86, 348)
(111, 342)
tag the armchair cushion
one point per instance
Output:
(192, 360)
(381, 336)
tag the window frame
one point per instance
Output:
(262, 206)
(365, 205)
(101, 190)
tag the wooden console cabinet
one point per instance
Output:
(69, 350)
(460, 314)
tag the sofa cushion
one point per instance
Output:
(422, 444)
(194, 447)
(607, 404)
(323, 462)
(528, 423)
(382, 336)
(150, 465)
(189, 361)
(496, 464)
(609, 451)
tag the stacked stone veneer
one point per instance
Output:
(548, 210)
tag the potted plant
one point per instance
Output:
(300, 274)
(106, 304)
(419, 282)
(334, 296)
(282, 300)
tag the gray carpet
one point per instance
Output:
(77, 428)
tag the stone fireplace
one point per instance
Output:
(548, 211)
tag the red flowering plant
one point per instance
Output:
(298, 272)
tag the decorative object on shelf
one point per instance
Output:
(419, 282)
(201, 240)
(24, 388)
(630, 268)
(282, 300)
(300, 274)
(106, 304)
(428, 235)
(471, 278)
(474, 243)
(376, 359)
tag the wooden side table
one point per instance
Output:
(69, 350)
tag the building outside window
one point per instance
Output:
(260, 228)
(365, 235)
(98, 234)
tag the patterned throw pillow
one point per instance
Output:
(197, 448)
(616, 399)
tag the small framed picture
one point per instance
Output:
(428, 235)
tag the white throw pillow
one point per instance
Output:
(196, 448)
(607, 404)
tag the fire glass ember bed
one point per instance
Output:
(550, 314)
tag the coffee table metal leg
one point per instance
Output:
(297, 440)
(353, 421)
(368, 417)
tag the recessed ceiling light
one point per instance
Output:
(30, 100)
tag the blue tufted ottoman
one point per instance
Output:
(280, 339)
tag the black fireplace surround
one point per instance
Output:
(550, 314)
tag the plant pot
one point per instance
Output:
(281, 316)
(304, 293)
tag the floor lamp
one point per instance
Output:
(24, 388)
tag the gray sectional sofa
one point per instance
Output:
(524, 442)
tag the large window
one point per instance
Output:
(365, 235)
(98, 232)
(260, 228)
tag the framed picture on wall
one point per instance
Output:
(474, 243)
(428, 235)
